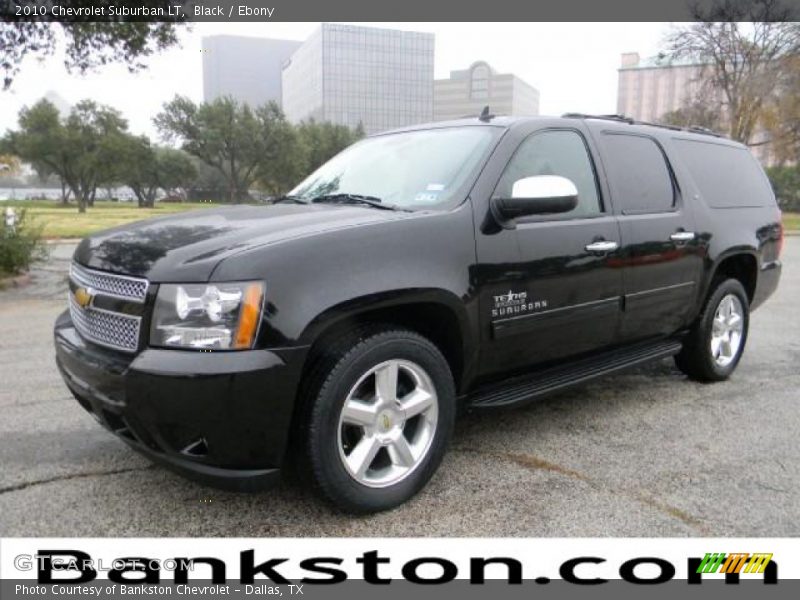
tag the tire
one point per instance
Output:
(704, 357)
(369, 450)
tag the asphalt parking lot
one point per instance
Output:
(646, 453)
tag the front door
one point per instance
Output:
(556, 294)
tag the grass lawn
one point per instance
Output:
(791, 221)
(65, 222)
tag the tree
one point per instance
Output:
(88, 44)
(210, 183)
(242, 143)
(40, 142)
(743, 47)
(95, 135)
(288, 166)
(10, 169)
(146, 170)
(322, 141)
(786, 183)
(83, 150)
(782, 118)
(695, 113)
(9, 165)
(176, 171)
(41, 168)
(137, 169)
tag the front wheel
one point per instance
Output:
(380, 420)
(715, 344)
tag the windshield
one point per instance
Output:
(410, 170)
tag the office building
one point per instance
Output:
(245, 68)
(468, 91)
(345, 74)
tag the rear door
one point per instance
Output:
(660, 261)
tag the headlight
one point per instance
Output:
(221, 316)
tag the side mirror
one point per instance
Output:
(539, 195)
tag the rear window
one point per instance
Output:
(727, 176)
(638, 172)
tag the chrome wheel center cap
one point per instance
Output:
(387, 420)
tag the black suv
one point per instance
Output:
(476, 263)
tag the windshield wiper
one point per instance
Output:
(287, 199)
(355, 199)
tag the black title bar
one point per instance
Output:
(404, 10)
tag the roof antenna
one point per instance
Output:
(486, 116)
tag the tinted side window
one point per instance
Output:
(638, 174)
(728, 176)
(555, 152)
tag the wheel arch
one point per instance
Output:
(741, 265)
(438, 315)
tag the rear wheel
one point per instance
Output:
(716, 342)
(380, 419)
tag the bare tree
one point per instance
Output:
(743, 49)
(782, 118)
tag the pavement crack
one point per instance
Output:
(25, 485)
(673, 511)
(38, 402)
(536, 463)
(765, 486)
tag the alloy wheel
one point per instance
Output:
(387, 423)
(726, 330)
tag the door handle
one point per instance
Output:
(602, 246)
(682, 236)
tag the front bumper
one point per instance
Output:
(220, 418)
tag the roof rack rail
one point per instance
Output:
(620, 118)
(663, 125)
(630, 121)
(705, 130)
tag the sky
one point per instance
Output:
(573, 65)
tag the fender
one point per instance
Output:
(357, 307)
(711, 266)
(419, 309)
(312, 284)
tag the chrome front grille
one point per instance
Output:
(118, 286)
(107, 328)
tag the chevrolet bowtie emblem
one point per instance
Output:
(84, 296)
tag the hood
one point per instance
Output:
(188, 246)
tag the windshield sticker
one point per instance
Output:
(426, 198)
(434, 187)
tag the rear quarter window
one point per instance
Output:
(727, 176)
